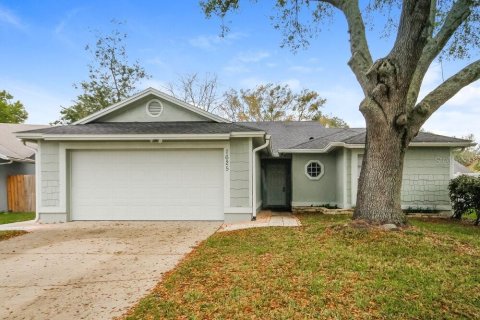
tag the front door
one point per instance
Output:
(277, 188)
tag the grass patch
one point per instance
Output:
(10, 217)
(5, 235)
(325, 269)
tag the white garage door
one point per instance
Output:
(147, 185)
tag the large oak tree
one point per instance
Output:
(394, 114)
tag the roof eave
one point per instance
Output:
(361, 146)
(139, 137)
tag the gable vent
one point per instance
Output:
(154, 108)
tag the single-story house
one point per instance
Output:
(153, 157)
(15, 157)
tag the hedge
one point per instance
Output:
(464, 193)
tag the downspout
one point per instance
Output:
(8, 162)
(254, 182)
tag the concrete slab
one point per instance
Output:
(90, 270)
(265, 219)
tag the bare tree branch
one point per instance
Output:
(361, 58)
(456, 16)
(442, 94)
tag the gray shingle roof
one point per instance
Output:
(460, 168)
(357, 136)
(11, 148)
(285, 134)
(178, 127)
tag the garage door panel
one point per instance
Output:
(147, 185)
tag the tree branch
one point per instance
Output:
(361, 59)
(456, 16)
(440, 95)
(412, 36)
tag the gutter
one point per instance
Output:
(254, 182)
(361, 146)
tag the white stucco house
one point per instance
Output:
(153, 157)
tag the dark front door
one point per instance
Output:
(277, 184)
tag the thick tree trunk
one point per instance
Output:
(380, 182)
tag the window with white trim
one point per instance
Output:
(314, 169)
(154, 108)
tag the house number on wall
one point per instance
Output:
(227, 162)
(442, 160)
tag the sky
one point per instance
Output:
(43, 54)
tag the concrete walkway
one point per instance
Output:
(29, 225)
(265, 218)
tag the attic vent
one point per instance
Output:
(154, 108)
(311, 138)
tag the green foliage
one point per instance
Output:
(274, 102)
(300, 21)
(464, 193)
(111, 77)
(11, 111)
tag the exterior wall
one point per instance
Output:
(349, 179)
(306, 192)
(240, 150)
(258, 181)
(426, 175)
(15, 168)
(49, 172)
(48, 184)
(53, 178)
(137, 112)
(341, 174)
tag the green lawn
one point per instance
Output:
(10, 217)
(325, 269)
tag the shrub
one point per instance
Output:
(464, 193)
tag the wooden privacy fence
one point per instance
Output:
(21, 193)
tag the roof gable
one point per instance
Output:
(134, 109)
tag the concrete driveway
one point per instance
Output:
(90, 270)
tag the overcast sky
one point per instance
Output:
(42, 54)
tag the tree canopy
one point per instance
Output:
(11, 111)
(112, 77)
(272, 102)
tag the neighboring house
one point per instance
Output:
(459, 169)
(15, 157)
(153, 157)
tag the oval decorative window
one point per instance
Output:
(314, 169)
(154, 108)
